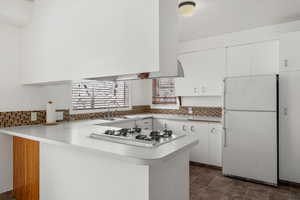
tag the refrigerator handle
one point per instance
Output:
(225, 137)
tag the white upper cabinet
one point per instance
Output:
(289, 51)
(204, 72)
(253, 59)
(70, 40)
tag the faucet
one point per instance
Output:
(110, 112)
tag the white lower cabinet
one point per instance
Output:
(215, 144)
(126, 124)
(158, 124)
(209, 149)
(145, 124)
(200, 153)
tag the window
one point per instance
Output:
(164, 91)
(99, 95)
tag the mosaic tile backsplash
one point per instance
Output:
(22, 118)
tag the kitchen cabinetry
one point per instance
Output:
(209, 149)
(26, 169)
(158, 124)
(215, 144)
(204, 72)
(91, 39)
(289, 51)
(200, 153)
(253, 59)
(145, 124)
(124, 124)
(289, 137)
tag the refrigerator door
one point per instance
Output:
(251, 93)
(250, 145)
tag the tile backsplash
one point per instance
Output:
(23, 118)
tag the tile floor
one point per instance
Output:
(209, 184)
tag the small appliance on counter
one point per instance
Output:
(51, 114)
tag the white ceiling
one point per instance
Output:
(216, 17)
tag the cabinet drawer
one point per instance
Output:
(145, 123)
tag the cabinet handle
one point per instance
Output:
(286, 63)
(203, 89)
(195, 90)
(192, 128)
(285, 111)
(213, 130)
(183, 128)
(225, 137)
(166, 126)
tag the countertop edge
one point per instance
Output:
(127, 158)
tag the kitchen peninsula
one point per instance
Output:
(73, 166)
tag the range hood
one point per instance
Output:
(146, 75)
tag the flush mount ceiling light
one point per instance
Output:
(187, 8)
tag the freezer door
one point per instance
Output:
(250, 145)
(258, 93)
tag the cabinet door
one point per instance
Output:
(239, 60)
(127, 124)
(204, 72)
(215, 144)
(177, 126)
(145, 124)
(199, 153)
(186, 86)
(289, 137)
(289, 51)
(26, 169)
(253, 59)
(158, 124)
(265, 58)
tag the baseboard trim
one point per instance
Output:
(205, 165)
(251, 180)
(7, 193)
(289, 183)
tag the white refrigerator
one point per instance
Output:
(250, 149)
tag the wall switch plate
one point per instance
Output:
(59, 116)
(190, 110)
(33, 116)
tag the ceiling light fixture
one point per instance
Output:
(187, 8)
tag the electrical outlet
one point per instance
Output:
(59, 116)
(190, 110)
(33, 116)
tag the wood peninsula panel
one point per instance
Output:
(26, 169)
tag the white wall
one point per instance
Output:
(14, 96)
(16, 12)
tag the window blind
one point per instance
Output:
(164, 91)
(99, 95)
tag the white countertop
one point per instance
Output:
(178, 117)
(76, 134)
